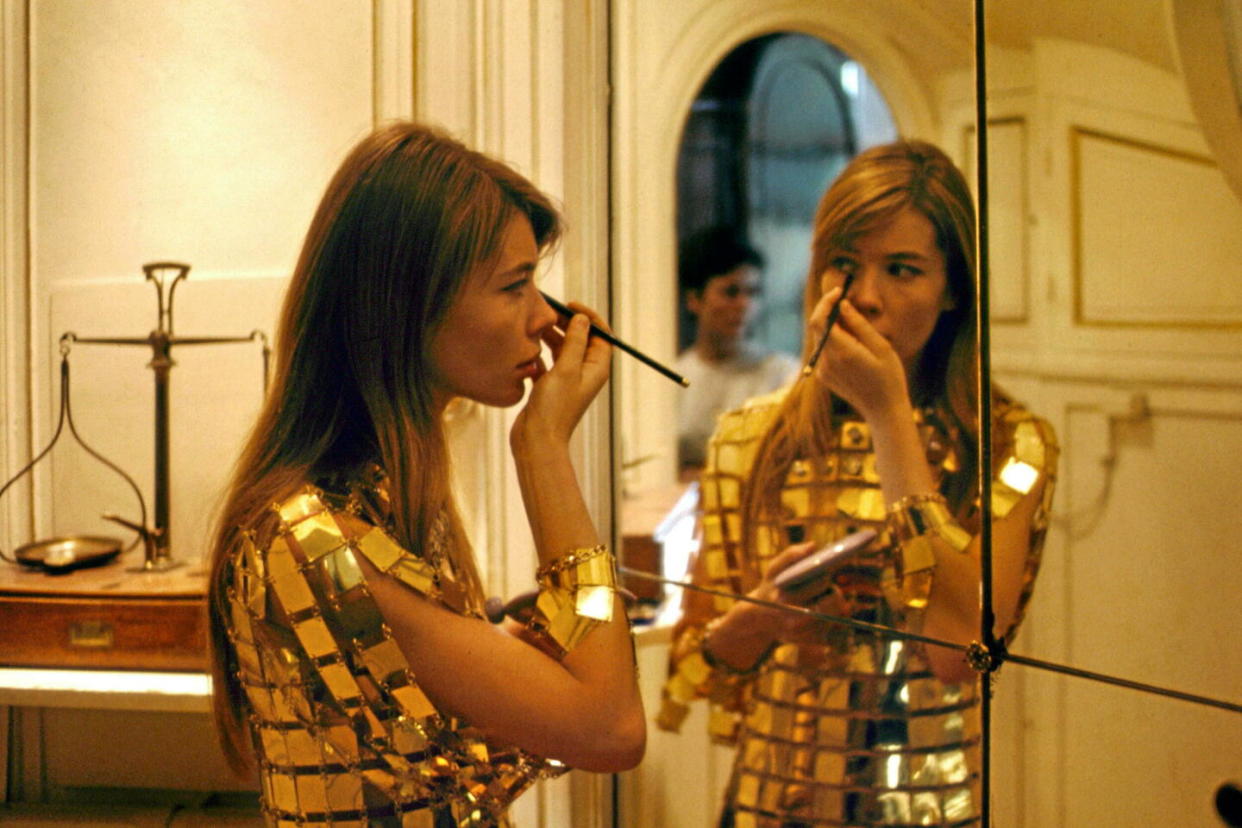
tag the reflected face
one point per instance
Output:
(900, 281)
(488, 343)
(727, 303)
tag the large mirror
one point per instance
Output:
(1115, 234)
(691, 78)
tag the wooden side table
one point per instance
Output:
(104, 618)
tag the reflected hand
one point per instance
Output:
(857, 364)
(741, 636)
(819, 595)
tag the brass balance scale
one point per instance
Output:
(147, 616)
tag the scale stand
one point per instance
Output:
(158, 556)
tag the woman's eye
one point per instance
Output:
(903, 271)
(516, 286)
(843, 264)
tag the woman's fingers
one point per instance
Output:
(599, 351)
(843, 341)
(580, 367)
(805, 595)
(788, 557)
(541, 368)
(862, 330)
(591, 314)
(591, 355)
(553, 338)
(574, 341)
(856, 357)
(819, 314)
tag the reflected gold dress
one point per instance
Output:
(855, 731)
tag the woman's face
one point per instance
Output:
(900, 281)
(488, 343)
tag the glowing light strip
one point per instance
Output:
(128, 689)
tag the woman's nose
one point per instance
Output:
(542, 315)
(864, 293)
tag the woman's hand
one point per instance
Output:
(857, 364)
(747, 630)
(561, 394)
(819, 594)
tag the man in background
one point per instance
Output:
(719, 274)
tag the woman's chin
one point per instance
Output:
(497, 397)
(510, 399)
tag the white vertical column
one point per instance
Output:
(15, 292)
(14, 309)
(526, 81)
(393, 56)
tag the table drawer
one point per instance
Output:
(105, 633)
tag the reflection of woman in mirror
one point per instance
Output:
(835, 726)
(719, 273)
(354, 666)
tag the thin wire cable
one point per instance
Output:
(866, 626)
(998, 658)
(987, 620)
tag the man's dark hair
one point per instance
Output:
(712, 252)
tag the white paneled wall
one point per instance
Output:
(201, 131)
(1125, 253)
(196, 132)
(204, 132)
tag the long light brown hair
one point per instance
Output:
(873, 188)
(410, 214)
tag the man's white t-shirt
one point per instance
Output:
(717, 387)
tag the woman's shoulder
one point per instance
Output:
(733, 444)
(320, 521)
(750, 419)
(1025, 450)
(323, 530)
(1015, 425)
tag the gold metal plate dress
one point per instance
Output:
(343, 734)
(856, 731)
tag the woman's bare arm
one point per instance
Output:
(585, 709)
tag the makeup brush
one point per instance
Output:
(832, 320)
(609, 338)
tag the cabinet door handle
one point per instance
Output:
(94, 635)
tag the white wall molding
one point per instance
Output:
(526, 81)
(1129, 225)
(393, 34)
(15, 276)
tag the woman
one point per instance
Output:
(836, 726)
(353, 663)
